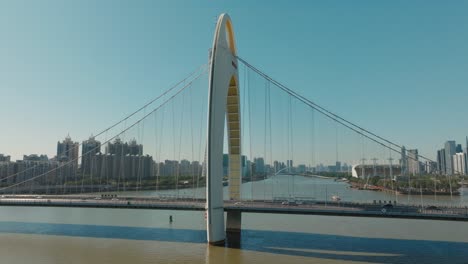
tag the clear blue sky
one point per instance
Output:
(398, 68)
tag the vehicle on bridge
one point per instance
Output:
(387, 208)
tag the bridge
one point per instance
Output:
(256, 206)
(110, 180)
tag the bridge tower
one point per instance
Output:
(223, 102)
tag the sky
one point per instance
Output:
(398, 68)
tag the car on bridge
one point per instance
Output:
(289, 203)
(387, 208)
(433, 208)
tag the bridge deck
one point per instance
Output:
(317, 208)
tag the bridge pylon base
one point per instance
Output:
(233, 222)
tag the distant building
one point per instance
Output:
(32, 166)
(382, 170)
(89, 148)
(7, 167)
(338, 166)
(4, 158)
(259, 165)
(169, 168)
(245, 169)
(290, 165)
(67, 156)
(459, 148)
(430, 167)
(459, 164)
(276, 166)
(134, 148)
(413, 162)
(120, 148)
(35, 157)
(403, 161)
(109, 167)
(441, 161)
(67, 151)
(450, 150)
(301, 168)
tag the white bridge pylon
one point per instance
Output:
(223, 102)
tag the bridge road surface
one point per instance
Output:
(190, 204)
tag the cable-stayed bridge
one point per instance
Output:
(247, 144)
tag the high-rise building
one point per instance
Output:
(259, 165)
(7, 168)
(4, 158)
(120, 148)
(184, 168)
(89, 149)
(430, 167)
(289, 165)
(338, 166)
(117, 147)
(35, 157)
(244, 166)
(276, 166)
(67, 151)
(403, 161)
(459, 163)
(441, 161)
(35, 165)
(301, 168)
(134, 148)
(413, 162)
(459, 148)
(466, 149)
(450, 150)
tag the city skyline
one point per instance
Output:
(452, 161)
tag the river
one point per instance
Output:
(85, 235)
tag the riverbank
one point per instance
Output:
(405, 191)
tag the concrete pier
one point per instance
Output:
(233, 222)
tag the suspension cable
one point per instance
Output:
(200, 70)
(189, 84)
(356, 128)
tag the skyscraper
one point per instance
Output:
(89, 148)
(67, 150)
(403, 161)
(450, 150)
(4, 158)
(441, 161)
(259, 165)
(120, 148)
(289, 165)
(134, 148)
(466, 149)
(67, 156)
(413, 162)
(459, 163)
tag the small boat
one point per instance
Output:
(336, 198)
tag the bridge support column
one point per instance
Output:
(223, 104)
